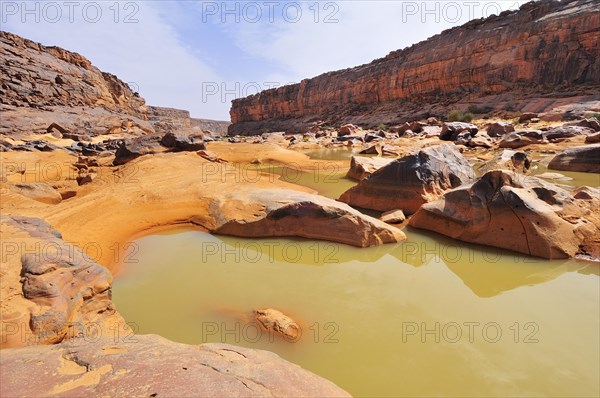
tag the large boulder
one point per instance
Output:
(151, 366)
(408, 182)
(561, 133)
(451, 130)
(515, 212)
(347, 129)
(592, 138)
(591, 123)
(282, 212)
(499, 129)
(362, 167)
(522, 138)
(581, 158)
(180, 143)
(132, 149)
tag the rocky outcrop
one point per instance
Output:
(518, 213)
(498, 129)
(581, 158)
(519, 139)
(474, 63)
(151, 366)
(281, 212)
(412, 180)
(361, 167)
(63, 290)
(129, 150)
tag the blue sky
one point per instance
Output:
(199, 55)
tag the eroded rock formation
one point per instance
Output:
(412, 180)
(63, 290)
(519, 213)
(476, 63)
(280, 212)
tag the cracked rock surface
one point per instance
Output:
(151, 366)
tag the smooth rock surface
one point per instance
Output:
(281, 212)
(582, 158)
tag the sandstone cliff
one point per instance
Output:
(544, 56)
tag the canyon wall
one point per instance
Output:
(543, 56)
(41, 86)
(182, 118)
(37, 76)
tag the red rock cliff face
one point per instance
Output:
(545, 47)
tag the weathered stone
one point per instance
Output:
(514, 212)
(582, 158)
(151, 366)
(499, 129)
(291, 213)
(408, 182)
(393, 217)
(63, 289)
(527, 116)
(347, 129)
(522, 138)
(275, 321)
(451, 130)
(362, 167)
(178, 142)
(509, 160)
(563, 132)
(39, 191)
(592, 138)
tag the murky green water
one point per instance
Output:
(426, 317)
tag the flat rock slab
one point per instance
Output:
(151, 366)
(284, 212)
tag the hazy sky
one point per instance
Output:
(199, 55)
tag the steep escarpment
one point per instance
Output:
(544, 56)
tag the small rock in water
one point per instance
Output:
(275, 321)
(393, 217)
